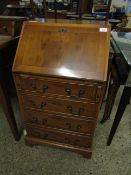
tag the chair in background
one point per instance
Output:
(125, 25)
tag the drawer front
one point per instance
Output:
(88, 91)
(60, 122)
(58, 105)
(57, 136)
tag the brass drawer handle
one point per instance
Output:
(34, 120)
(68, 90)
(4, 28)
(42, 105)
(45, 88)
(78, 128)
(80, 93)
(33, 104)
(44, 121)
(74, 112)
(33, 86)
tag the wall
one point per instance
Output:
(129, 6)
(121, 3)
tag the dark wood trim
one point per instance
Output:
(34, 141)
(125, 100)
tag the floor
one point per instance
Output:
(18, 159)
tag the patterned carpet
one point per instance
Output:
(18, 159)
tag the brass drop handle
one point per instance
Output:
(33, 86)
(67, 140)
(78, 128)
(45, 88)
(4, 28)
(44, 121)
(74, 112)
(81, 92)
(68, 90)
(42, 105)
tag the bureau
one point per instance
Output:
(60, 72)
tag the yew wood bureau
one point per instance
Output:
(60, 72)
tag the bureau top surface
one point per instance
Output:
(64, 50)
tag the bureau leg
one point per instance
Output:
(113, 89)
(121, 108)
(6, 104)
(30, 142)
(87, 155)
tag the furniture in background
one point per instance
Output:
(125, 25)
(15, 9)
(61, 87)
(11, 25)
(10, 28)
(98, 13)
(120, 75)
(7, 51)
(3, 4)
(83, 10)
(18, 10)
(77, 7)
(102, 7)
(114, 23)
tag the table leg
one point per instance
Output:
(113, 89)
(6, 104)
(125, 99)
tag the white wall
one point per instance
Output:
(120, 3)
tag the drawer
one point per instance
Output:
(71, 89)
(58, 136)
(58, 105)
(59, 121)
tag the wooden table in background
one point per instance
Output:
(5, 43)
